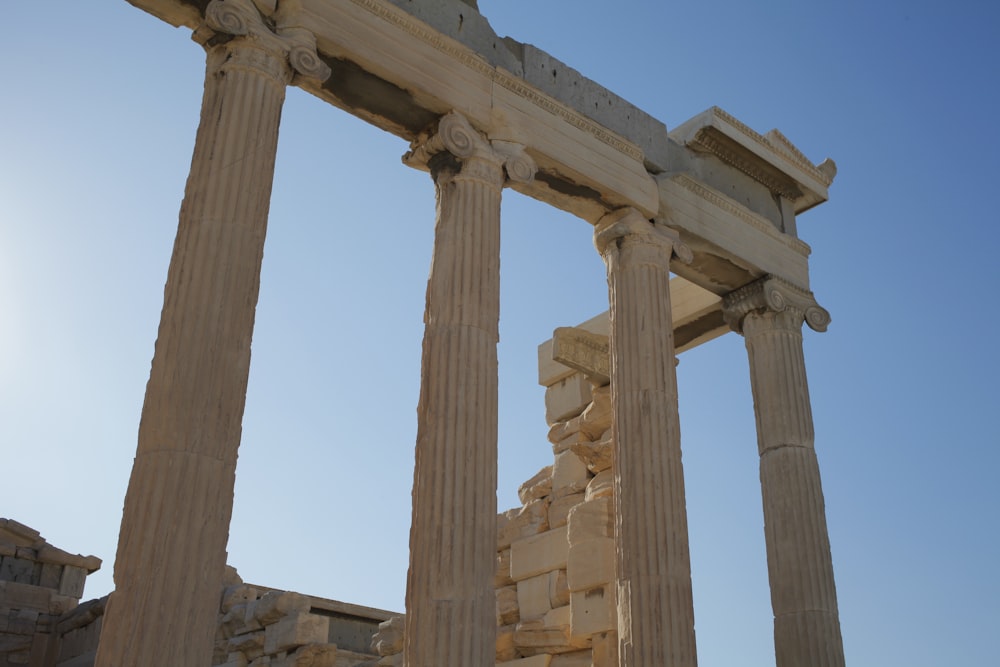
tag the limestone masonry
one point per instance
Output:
(697, 228)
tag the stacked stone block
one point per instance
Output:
(40, 589)
(266, 628)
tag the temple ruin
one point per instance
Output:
(697, 228)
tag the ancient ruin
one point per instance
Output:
(697, 229)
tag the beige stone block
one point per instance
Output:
(533, 597)
(250, 645)
(590, 520)
(389, 638)
(591, 563)
(533, 661)
(25, 596)
(502, 576)
(531, 519)
(72, 581)
(60, 604)
(592, 611)
(234, 622)
(559, 509)
(569, 475)
(539, 554)
(51, 575)
(296, 629)
(569, 442)
(508, 609)
(535, 637)
(539, 486)
(558, 589)
(275, 604)
(596, 418)
(605, 649)
(505, 643)
(561, 431)
(601, 486)
(575, 659)
(597, 455)
(391, 661)
(237, 594)
(557, 617)
(19, 570)
(312, 655)
(567, 398)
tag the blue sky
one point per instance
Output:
(97, 124)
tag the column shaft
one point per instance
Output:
(450, 603)
(800, 567)
(175, 524)
(653, 565)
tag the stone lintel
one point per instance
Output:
(696, 314)
(770, 159)
(583, 351)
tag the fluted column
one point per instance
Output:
(450, 603)
(175, 524)
(769, 313)
(652, 556)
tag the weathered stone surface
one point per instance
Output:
(605, 649)
(520, 522)
(389, 638)
(505, 644)
(567, 398)
(590, 520)
(596, 455)
(533, 597)
(558, 589)
(563, 429)
(502, 577)
(592, 611)
(569, 475)
(539, 554)
(584, 352)
(533, 661)
(574, 659)
(596, 418)
(274, 605)
(313, 655)
(294, 630)
(601, 486)
(591, 563)
(508, 610)
(560, 508)
(539, 486)
(251, 645)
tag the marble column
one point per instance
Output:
(450, 603)
(652, 557)
(175, 525)
(769, 313)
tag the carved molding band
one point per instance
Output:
(628, 223)
(277, 35)
(776, 295)
(456, 136)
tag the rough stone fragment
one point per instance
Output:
(250, 645)
(560, 507)
(591, 563)
(519, 522)
(236, 594)
(569, 475)
(539, 554)
(602, 485)
(275, 604)
(508, 610)
(502, 576)
(297, 629)
(592, 611)
(539, 486)
(533, 597)
(562, 430)
(505, 644)
(590, 520)
(389, 638)
(596, 418)
(597, 455)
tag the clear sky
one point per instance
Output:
(97, 121)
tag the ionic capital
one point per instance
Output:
(274, 32)
(497, 161)
(774, 295)
(626, 226)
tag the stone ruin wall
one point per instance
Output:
(556, 552)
